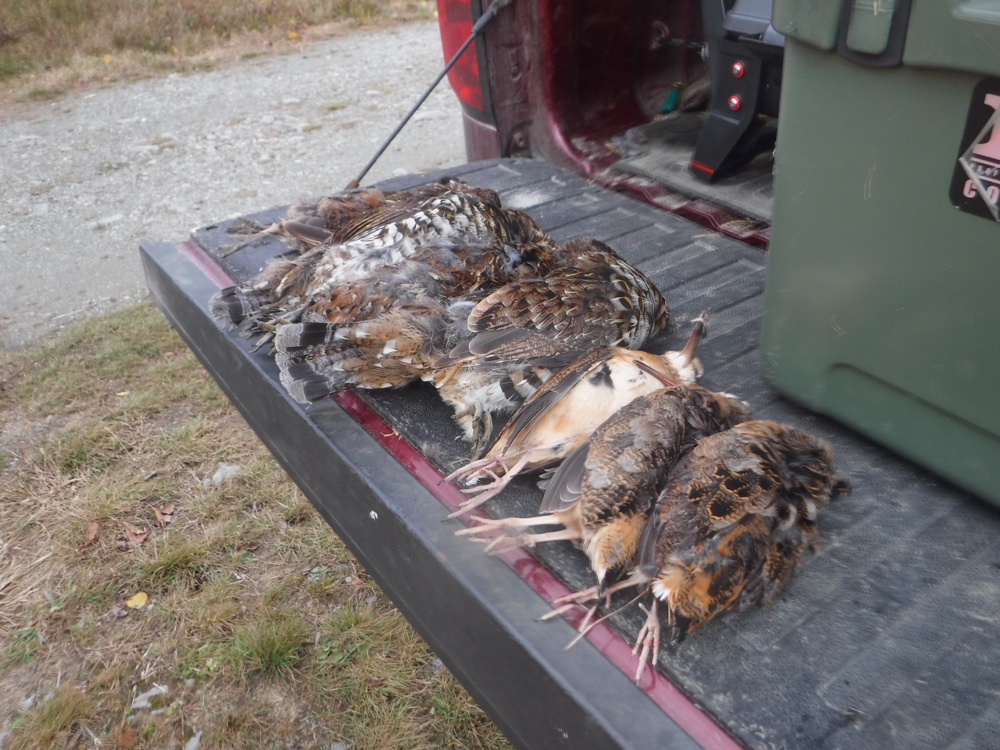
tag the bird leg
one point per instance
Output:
(594, 592)
(649, 639)
(697, 334)
(469, 472)
(484, 493)
(571, 600)
(506, 525)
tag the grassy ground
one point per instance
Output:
(145, 598)
(48, 47)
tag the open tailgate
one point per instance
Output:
(886, 637)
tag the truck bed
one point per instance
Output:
(886, 637)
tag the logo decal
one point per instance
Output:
(975, 186)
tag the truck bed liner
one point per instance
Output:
(886, 637)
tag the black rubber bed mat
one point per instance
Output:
(887, 637)
(661, 151)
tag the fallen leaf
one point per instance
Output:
(93, 531)
(164, 514)
(135, 535)
(138, 601)
(119, 613)
(293, 35)
(128, 739)
(249, 546)
(122, 393)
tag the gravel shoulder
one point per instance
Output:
(87, 178)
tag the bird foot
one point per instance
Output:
(647, 642)
(474, 471)
(480, 495)
(570, 601)
(484, 525)
(502, 542)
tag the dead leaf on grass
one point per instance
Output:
(138, 601)
(249, 546)
(93, 531)
(164, 514)
(128, 739)
(136, 536)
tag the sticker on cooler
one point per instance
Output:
(975, 186)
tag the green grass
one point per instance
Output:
(56, 721)
(258, 621)
(272, 645)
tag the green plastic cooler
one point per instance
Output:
(883, 278)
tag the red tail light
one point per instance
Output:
(455, 20)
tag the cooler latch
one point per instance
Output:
(873, 32)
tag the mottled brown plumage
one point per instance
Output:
(391, 282)
(368, 243)
(593, 298)
(565, 411)
(733, 522)
(341, 218)
(392, 326)
(603, 492)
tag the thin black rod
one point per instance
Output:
(481, 24)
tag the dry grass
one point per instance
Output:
(262, 630)
(50, 46)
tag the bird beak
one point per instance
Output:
(700, 329)
(656, 374)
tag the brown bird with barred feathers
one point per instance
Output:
(735, 519)
(602, 494)
(391, 327)
(565, 411)
(593, 299)
(362, 240)
(340, 218)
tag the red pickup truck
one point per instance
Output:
(887, 636)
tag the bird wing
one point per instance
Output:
(565, 486)
(545, 399)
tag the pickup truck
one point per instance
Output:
(886, 637)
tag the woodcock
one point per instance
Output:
(602, 494)
(734, 520)
(565, 411)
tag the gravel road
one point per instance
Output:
(87, 178)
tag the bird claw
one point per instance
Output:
(649, 640)
(487, 525)
(265, 339)
(571, 600)
(479, 496)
